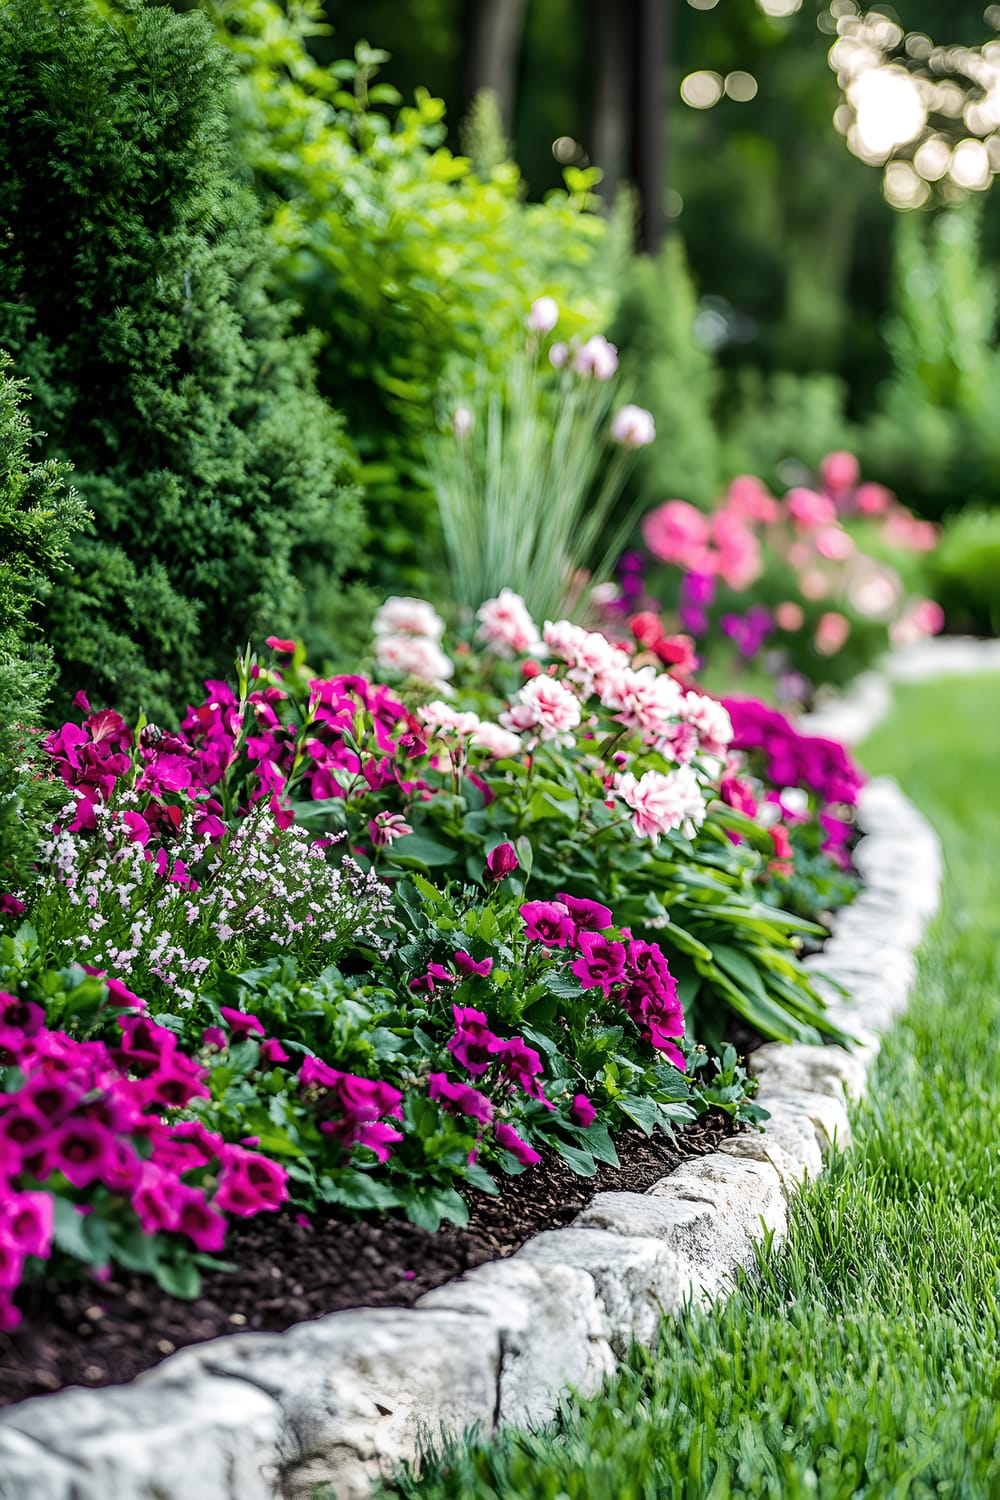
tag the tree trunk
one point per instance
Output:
(494, 52)
(613, 28)
(650, 117)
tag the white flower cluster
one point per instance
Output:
(407, 640)
(264, 888)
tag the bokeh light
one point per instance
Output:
(701, 90)
(779, 8)
(740, 86)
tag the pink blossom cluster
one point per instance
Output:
(351, 1108)
(633, 973)
(408, 635)
(79, 1116)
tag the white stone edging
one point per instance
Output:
(338, 1400)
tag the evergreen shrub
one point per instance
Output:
(134, 298)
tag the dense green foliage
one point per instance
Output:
(862, 1363)
(133, 296)
(403, 256)
(965, 571)
(39, 514)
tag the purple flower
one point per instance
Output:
(548, 922)
(250, 1184)
(474, 1045)
(601, 962)
(10, 906)
(241, 1025)
(271, 1051)
(582, 1112)
(521, 1066)
(501, 862)
(589, 916)
(460, 1098)
(80, 1150)
(508, 1138)
(467, 965)
(436, 974)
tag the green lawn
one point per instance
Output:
(865, 1360)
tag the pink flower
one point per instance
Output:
(588, 916)
(873, 499)
(283, 647)
(460, 1098)
(834, 543)
(711, 719)
(467, 965)
(596, 357)
(749, 498)
(789, 616)
(10, 906)
(241, 1025)
(462, 422)
(474, 1045)
(544, 705)
(601, 962)
(28, 1219)
(404, 615)
(81, 1150)
(544, 315)
(809, 509)
(413, 656)
(521, 1066)
(548, 922)
(582, 1112)
(662, 803)
(447, 720)
(505, 624)
(832, 632)
(559, 356)
(676, 532)
(435, 975)
(250, 1184)
(271, 1051)
(508, 1138)
(501, 862)
(737, 793)
(633, 427)
(204, 1228)
(386, 827)
(500, 743)
(840, 473)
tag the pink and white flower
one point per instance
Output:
(546, 707)
(544, 315)
(506, 626)
(662, 803)
(645, 699)
(500, 743)
(711, 719)
(633, 427)
(596, 357)
(443, 719)
(413, 656)
(403, 615)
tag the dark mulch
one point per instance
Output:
(92, 1334)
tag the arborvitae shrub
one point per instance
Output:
(134, 296)
(38, 516)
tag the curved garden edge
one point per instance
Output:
(338, 1400)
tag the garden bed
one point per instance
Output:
(288, 1269)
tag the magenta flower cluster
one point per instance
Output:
(633, 973)
(791, 759)
(78, 1117)
(351, 1108)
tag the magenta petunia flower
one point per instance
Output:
(508, 1138)
(501, 862)
(601, 962)
(521, 1066)
(241, 1025)
(474, 1045)
(460, 1098)
(271, 1051)
(548, 922)
(467, 965)
(81, 1149)
(582, 1112)
(589, 916)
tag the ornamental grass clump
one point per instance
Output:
(529, 475)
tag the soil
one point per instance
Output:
(288, 1269)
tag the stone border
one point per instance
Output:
(340, 1399)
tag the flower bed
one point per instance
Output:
(365, 951)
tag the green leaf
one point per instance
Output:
(581, 1161)
(67, 1229)
(418, 849)
(178, 1278)
(645, 1112)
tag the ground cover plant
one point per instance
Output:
(813, 586)
(859, 1361)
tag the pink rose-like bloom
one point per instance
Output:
(404, 615)
(832, 632)
(834, 542)
(711, 719)
(748, 497)
(840, 473)
(462, 422)
(447, 720)
(460, 1098)
(662, 803)
(596, 357)
(502, 744)
(582, 1112)
(386, 827)
(501, 862)
(738, 793)
(739, 556)
(506, 625)
(789, 615)
(873, 499)
(546, 706)
(633, 427)
(548, 922)
(676, 532)
(285, 648)
(413, 656)
(544, 315)
(809, 509)
(508, 1138)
